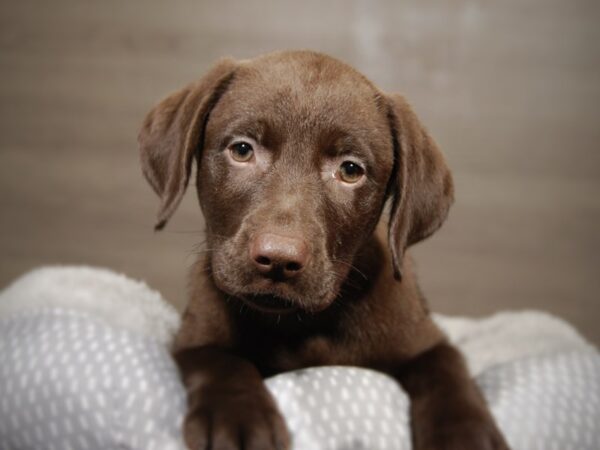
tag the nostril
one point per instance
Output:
(278, 256)
(293, 267)
(263, 260)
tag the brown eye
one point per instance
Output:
(350, 172)
(241, 151)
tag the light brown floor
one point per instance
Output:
(510, 89)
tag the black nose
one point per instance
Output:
(276, 255)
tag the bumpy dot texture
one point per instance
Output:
(331, 408)
(69, 381)
(84, 366)
(547, 402)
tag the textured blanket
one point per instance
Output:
(84, 364)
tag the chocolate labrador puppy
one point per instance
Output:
(297, 156)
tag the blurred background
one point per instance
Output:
(510, 90)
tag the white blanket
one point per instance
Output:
(84, 365)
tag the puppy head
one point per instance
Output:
(297, 154)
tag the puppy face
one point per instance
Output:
(297, 154)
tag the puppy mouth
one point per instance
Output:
(270, 304)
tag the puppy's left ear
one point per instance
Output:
(421, 188)
(172, 133)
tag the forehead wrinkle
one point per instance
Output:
(309, 89)
(317, 129)
(301, 105)
(253, 127)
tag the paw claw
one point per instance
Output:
(230, 424)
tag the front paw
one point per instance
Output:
(234, 421)
(468, 435)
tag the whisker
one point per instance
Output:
(202, 250)
(353, 267)
(218, 235)
(167, 231)
(207, 270)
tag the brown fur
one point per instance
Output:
(354, 300)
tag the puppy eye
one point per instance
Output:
(241, 151)
(350, 172)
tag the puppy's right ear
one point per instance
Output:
(173, 131)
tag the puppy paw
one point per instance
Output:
(235, 421)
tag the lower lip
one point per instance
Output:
(269, 309)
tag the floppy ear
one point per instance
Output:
(173, 131)
(421, 186)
